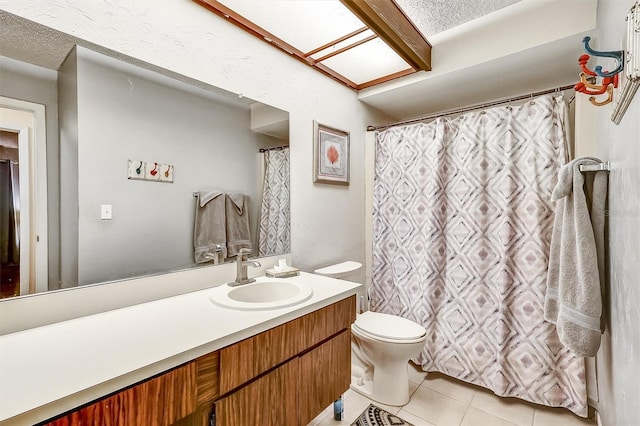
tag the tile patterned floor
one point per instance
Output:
(437, 400)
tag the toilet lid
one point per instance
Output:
(389, 326)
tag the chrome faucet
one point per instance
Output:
(242, 262)
(217, 256)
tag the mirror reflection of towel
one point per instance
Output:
(209, 228)
(237, 218)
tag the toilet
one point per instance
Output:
(381, 347)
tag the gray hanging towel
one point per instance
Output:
(209, 232)
(238, 231)
(573, 299)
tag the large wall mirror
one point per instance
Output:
(103, 111)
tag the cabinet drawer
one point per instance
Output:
(251, 357)
(324, 323)
(272, 400)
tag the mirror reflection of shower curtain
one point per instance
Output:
(462, 230)
(9, 227)
(274, 231)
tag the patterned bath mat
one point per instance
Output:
(376, 416)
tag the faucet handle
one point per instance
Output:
(244, 252)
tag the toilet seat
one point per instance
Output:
(388, 328)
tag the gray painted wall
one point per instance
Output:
(127, 113)
(68, 104)
(31, 83)
(618, 360)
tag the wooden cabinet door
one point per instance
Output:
(156, 402)
(325, 374)
(272, 400)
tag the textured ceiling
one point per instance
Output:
(29, 42)
(435, 16)
(37, 44)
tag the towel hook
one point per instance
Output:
(618, 55)
(609, 99)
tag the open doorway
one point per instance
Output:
(9, 215)
(23, 198)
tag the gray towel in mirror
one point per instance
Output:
(237, 216)
(209, 231)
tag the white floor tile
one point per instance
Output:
(354, 405)
(558, 417)
(477, 417)
(389, 408)
(435, 407)
(441, 401)
(413, 386)
(416, 375)
(413, 419)
(455, 389)
(510, 409)
(320, 417)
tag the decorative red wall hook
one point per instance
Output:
(587, 85)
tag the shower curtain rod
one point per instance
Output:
(273, 148)
(469, 108)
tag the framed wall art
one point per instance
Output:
(330, 155)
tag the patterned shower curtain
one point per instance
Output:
(274, 232)
(462, 227)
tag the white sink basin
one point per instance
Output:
(261, 295)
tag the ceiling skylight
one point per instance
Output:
(357, 42)
(333, 35)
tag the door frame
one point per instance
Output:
(28, 120)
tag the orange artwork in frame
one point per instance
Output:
(330, 155)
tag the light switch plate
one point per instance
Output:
(106, 212)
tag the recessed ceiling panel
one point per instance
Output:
(367, 62)
(305, 25)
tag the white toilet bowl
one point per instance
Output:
(381, 347)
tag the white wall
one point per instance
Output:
(182, 36)
(618, 360)
(31, 83)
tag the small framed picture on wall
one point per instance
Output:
(330, 155)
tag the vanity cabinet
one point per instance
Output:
(284, 376)
(303, 366)
(162, 400)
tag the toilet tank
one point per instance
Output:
(344, 270)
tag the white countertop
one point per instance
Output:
(48, 370)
